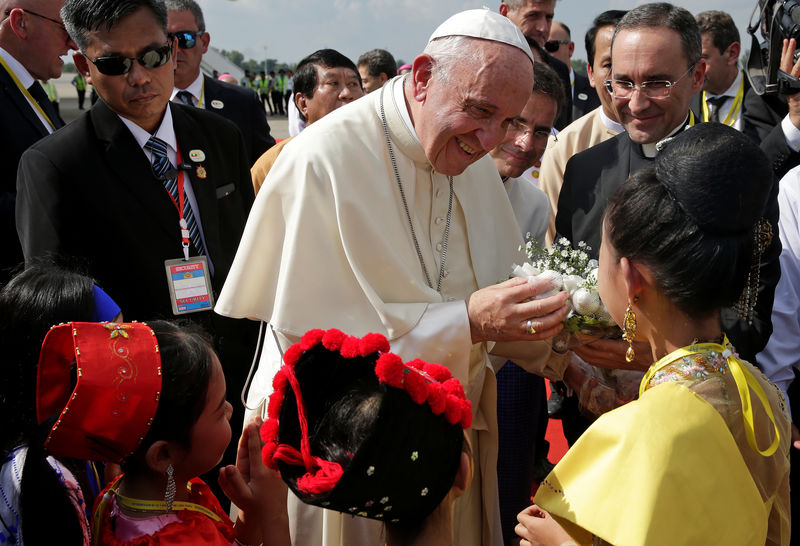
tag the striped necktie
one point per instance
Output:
(184, 97)
(161, 165)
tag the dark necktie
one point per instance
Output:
(184, 97)
(161, 165)
(38, 93)
(714, 104)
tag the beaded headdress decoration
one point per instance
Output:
(101, 382)
(405, 462)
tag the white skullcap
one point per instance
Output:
(484, 24)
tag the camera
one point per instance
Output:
(778, 20)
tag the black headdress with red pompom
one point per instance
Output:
(401, 463)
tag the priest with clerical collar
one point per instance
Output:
(657, 66)
(388, 216)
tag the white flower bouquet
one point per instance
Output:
(571, 270)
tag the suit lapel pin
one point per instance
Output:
(218, 104)
(197, 156)
(201, 172)
(582, 96)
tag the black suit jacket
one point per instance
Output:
(89, 191)
(19, 128)
(763, 115)
(243, 107)
(584, 98)
(592, 176)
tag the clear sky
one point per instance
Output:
(287, 30)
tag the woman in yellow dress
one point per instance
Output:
(702, 456)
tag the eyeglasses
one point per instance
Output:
(56, 21)
(187, 39)
(552, 45)
(655, 89)
(523, 130)
(115, 65)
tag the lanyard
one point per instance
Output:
(202, 93)
(179, 205)
(744, 382)
(158, 507)
(733, 113)
(27, 94)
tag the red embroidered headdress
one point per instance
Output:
(102, 382)
(403, 463)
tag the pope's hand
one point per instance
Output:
(507, 312)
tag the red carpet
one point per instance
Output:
(555, 435)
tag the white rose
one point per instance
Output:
(592, 276)
(585, 301)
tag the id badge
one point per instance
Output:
(189, 285)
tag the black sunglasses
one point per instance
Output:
(187, 39)
(552, 45)
(115, 65)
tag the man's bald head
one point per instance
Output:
(33, 33)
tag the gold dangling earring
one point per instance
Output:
(629, 331)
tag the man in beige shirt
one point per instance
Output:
(325, 80)
(598, 125)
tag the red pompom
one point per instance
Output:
(269, 431)
(437, 398)
(350, 347)
(453, 387)
(417, 364)
(437, 371)
(333, 339)
(453, 413)
(311, 338)
(280, 381)
(275, 403)
(466, 414)
(416, 386)
(292, 355)
(322, 480)
(373, 343)
(389, 369)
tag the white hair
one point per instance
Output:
(451, 50)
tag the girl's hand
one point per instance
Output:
(256, 490)
(537, 527)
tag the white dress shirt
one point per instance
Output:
(782, 352)
(166, 132)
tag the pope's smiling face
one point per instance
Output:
(460, 117)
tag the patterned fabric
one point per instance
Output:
(10, 486)
(188, 527)
(161, 165)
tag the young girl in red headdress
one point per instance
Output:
(159, 499)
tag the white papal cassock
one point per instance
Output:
(328, 245)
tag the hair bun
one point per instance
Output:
(718, 176)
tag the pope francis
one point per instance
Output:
(388, 216)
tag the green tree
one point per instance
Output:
(236, 57)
